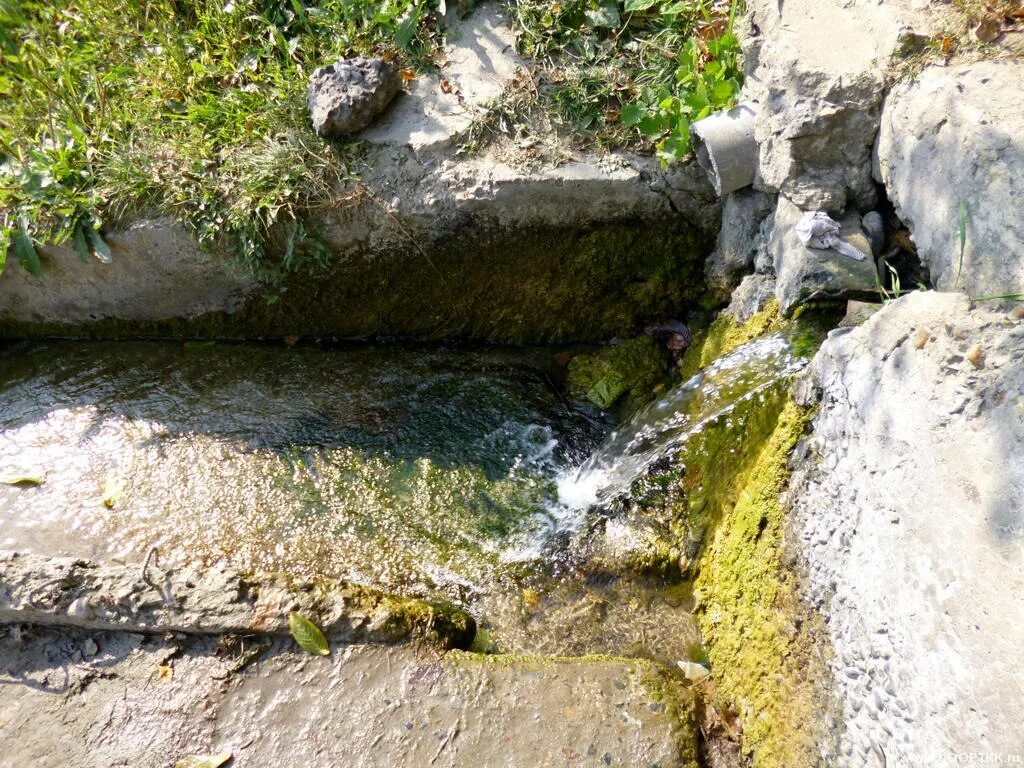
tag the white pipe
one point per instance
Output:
(725, 147)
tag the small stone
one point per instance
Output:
(976, 356)
(345, 97)
(80, 609)
(1017, 313)
(874, 228)
(921, 338)
(89, 648)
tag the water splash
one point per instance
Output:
(664, 426)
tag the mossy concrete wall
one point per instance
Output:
(537, 285)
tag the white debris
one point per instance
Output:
(816, 229)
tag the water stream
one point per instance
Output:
(453, 472)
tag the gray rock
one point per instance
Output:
(345, 97)
(817, 67)
(805, 274)
(954, 137)
(738, 240)
(751, 296)
(874, 228)
(905, 513)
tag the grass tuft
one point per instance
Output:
(189, 109)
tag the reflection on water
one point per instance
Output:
(407, 468)
(427, 471)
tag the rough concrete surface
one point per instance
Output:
(157, 271)
(79, 593)
(952, 137)
(479, 59)
(418, 206)
(117, 699)
(907, 522)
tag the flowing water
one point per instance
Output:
(452, 472)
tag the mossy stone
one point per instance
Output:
(634, 367)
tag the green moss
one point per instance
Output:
(724, 335)
(760, 649)
(633, 368)
(438, 623)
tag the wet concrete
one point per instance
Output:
(89, 700)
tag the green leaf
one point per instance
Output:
(407, 29)
(79, 243)
(631, 114)
(23, 480)
(307, 634)
(203, 761)
(25, 250)
(721, 92)
(99, 246)
(633, 6)
(605, 16)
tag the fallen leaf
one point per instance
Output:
(291, 341)
(976, 356)
(988, 29)
(203, 761)
(308, 635)
(447, 87)
(164, 672)
(946, 45)
(407, 75)
(112, 490)
(23, 481)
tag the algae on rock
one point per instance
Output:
(762, 643)
(632, 368)
(724, 335)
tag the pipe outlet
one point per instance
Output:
(725, 147)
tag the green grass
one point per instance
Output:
(194, 109)
(636, 72)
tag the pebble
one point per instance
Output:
(80, 608)
(89, 648)
(921, 338)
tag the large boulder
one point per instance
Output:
(817, 68)
(906, 523)
(738, 240)
(805, 274)
(950, 149)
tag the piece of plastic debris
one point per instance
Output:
(203, 761)
(816, 229)
(692, 671)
